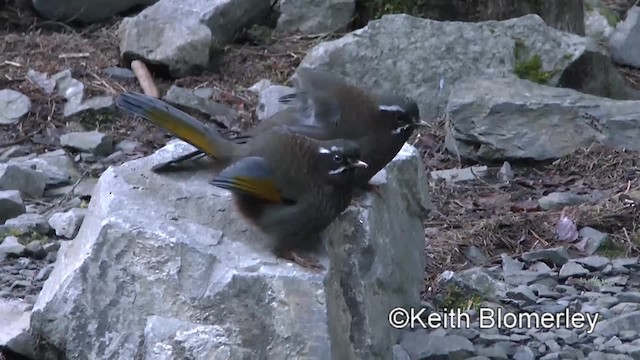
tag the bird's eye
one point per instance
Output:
(337, 158)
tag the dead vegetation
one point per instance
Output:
(501, 217)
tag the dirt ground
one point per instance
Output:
(491, 215)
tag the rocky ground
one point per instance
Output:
(494, 221)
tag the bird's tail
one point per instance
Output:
(178, 123)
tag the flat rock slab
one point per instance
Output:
(163, 267)
(495, 118)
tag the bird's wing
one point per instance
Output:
(254, 177)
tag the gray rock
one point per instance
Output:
(13, 151)
(617, 280)
(130, 254)
(593, 263)
(523, 293)
(596, 25)
(572, 269)
(399, 353)
(524, 353)
(613, 342)
(509, 347)
(11, 247)
(607, 301)
(182, 38)
(315, 16)
(36, 250)
(525, 277)
(82, 189)
(127, 146)
(505, 174)
(523, 107)
(492, 338)
(519, 338)
(42, 80)
(55, 165)
(167, 338)
(611, 289)
(422, 345)
(492, 352)
(610, 270)
(626, 262)
(540, 267)
(67, 224)
(613, 326)
(93, 142)
(260, 86)
(481, 282)
(558, 200)
(119, 73)
(591, 240)
(629, 297)
(199, 99)
(82, 11)
(510, 265)
(269, 103)
(11, 205)
(29, 182)
(453, 176)
(475, 255)
(368, 56)
(558, 255)
(623, 44)
(467, 333)
(27, 223)
(44, 273)
(73, 90)
(553, 345)
(14, 333)
(631, 350)
(13, 106)
(621, 308)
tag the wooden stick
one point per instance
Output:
(144, 78)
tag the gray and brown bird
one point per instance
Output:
(291, 187)
(325, 107)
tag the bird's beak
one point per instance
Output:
(421, 123)
(359, 164)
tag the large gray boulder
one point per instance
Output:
(416, 56)
(566, 15)
(164, 268)
(182, 36)
(625, 41)
(510, 118)
(315, 16)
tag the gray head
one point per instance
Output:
(403, 112)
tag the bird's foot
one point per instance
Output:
(304, 261)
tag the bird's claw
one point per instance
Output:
(303, 261)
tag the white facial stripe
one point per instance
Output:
(337, 171)
(391, 108)
(323, 150)
(334, 148)
(400, 129)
